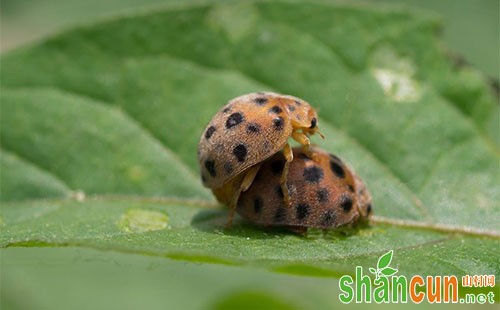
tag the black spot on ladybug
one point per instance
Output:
(302, 211)
(369, 209)
(291, 108)
(226, 110)
(257, 204)
(279, 191)
(298, 102)
(277, 166)
(328, 218)
(337, 169)
(253, 128)
(210, 165)
(313, 174)
(351, 188)
(234, 119)
(203, 178)
(322, 195)
(210, 131)
(314, 121)
(240, 151)
(228, 167)
(280, 215)
(260, 100)
(345, 203)
(275, 110)
(278, 123)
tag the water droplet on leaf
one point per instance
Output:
(140, 220)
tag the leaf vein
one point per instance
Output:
(31, 163)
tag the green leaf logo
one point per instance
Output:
(383, 269)
(388, 271)
(384, 260)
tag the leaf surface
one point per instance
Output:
(100, 125)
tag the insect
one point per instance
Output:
(245, 132)
(324, 193)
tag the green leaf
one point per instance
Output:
(388, 271)
(99, 130)
(110, 280)
(384, 260)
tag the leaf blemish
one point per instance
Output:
(395, 74)
(236, 20)
(140, 220)
(78, 195)
(398, 86)
(136, 173)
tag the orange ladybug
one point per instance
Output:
(324, 193)
(245, 132)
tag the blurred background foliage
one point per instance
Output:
(470, 28)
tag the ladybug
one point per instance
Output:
(324, 193)
(244, 133)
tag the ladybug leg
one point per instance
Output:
(303, 139)
(288, 153)
(242, 187)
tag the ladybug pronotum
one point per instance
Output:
(247, 131)
(324, 193)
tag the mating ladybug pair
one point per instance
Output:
(246, 161)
